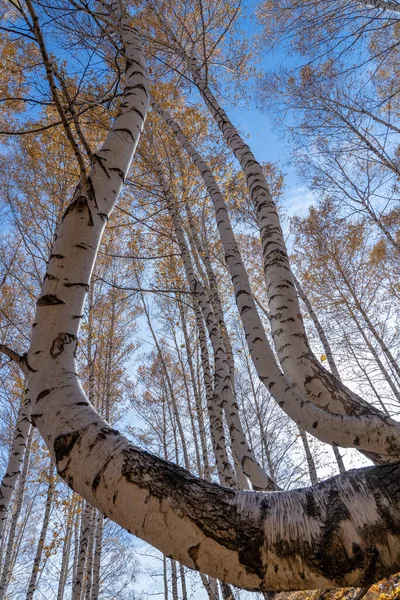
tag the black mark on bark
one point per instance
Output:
(60, 341)
(49, 300)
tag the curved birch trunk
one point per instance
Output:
(365, 428)
(21, 433)
(328, 353)
(343, 532)
(290, 340)
(223, 387)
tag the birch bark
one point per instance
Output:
(42, 538)
(78, 584)
(382, 5)
(342, 532)
(290, 340)
(7, 564)
(223, 386)
(10, 479)
(65, 559)
(356, 428)
(328, 353)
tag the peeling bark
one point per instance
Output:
(342, 532)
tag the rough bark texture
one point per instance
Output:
(223, 384)
(381, 5)
(343, 532)
(290, 340)
(364, 428)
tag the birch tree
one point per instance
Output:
(340, 532)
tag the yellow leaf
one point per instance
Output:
(323, 357)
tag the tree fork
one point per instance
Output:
(343, 532)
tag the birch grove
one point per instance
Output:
(173, 366)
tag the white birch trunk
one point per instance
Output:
(87, 517)
(211, 591)
(197, 396)
(224, 468)
(88, 577)
(174, 580)
(42, 538)
(6, 571)
(77, 522)
(223, 386)
(382, 5)
(365, 428)
(340, 533)
(328, 353)
(227, 592)
(97, 558)
(290, 340)
(165, 577)
(15, 461)
(65, 559)
(183, 582)
(312, 471)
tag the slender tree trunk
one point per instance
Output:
(196, 394)
(223, 386)
(183, 582)
(97, 558)
(309, 457)
(352, 429)
(77, 523)
(169, 384)
(225, 471)
(188, 401)
(227, 592)
(88, 578)
(65, 558)
(16, 457)
(165, 577)
(43, 533)
(329, 355)
(212, 591)
(287, 326)
(392, 361)
(174, 580)
(7, 570)
(305, 538)
(78, 583)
